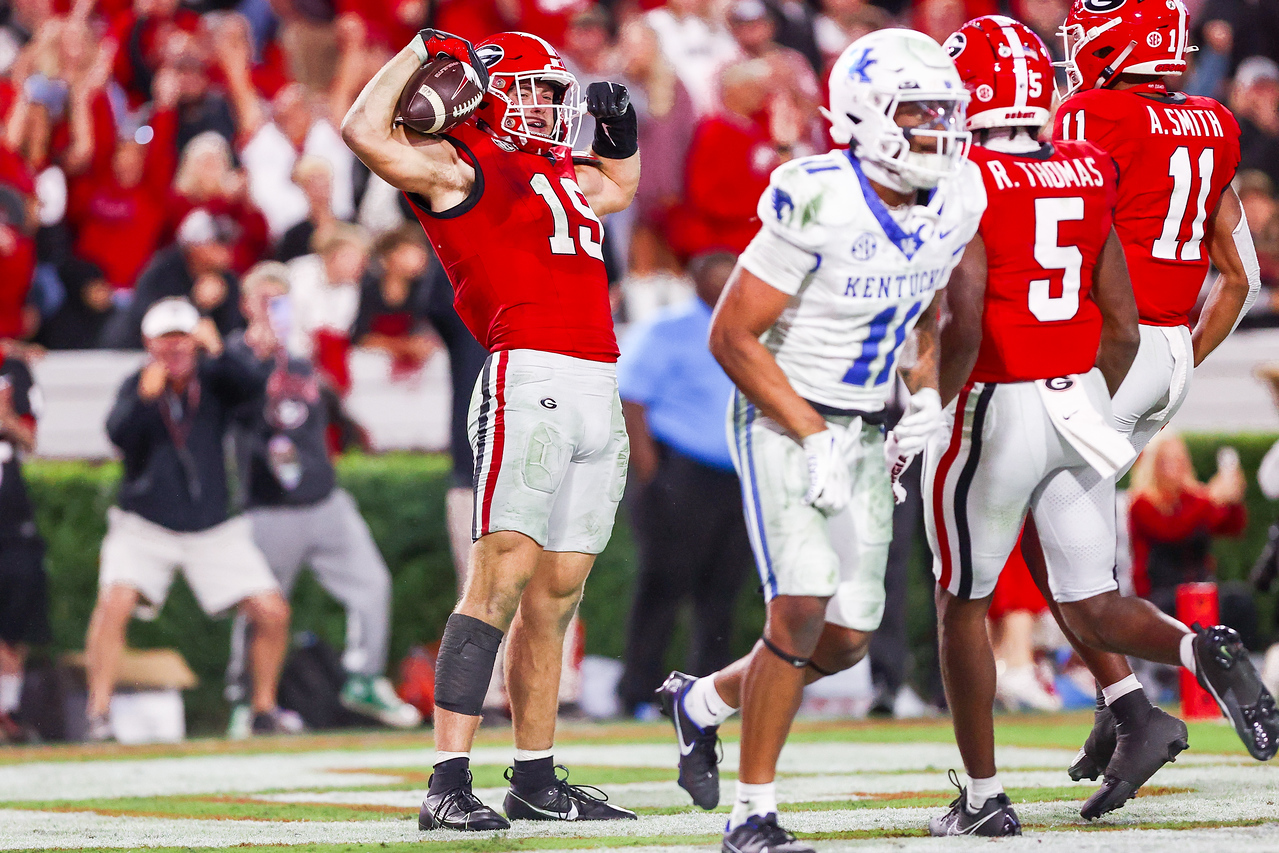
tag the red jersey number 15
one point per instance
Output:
(562, 242)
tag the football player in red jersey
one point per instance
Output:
(1175, 211)
(1040, 328)
(513, 216)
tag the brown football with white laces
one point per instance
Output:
(439, 96)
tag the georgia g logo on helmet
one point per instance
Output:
(1101, 7)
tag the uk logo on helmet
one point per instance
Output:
(860, 64)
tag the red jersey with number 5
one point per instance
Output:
(1176, 155)
(523, 252)
(1048, 215)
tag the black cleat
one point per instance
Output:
(561, 801)
(698, 747)
(1138, 754)
(1095, 754)
(458, 808)
(1225, 671)
(995, 818)
(762, 835)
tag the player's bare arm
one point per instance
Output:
(1112, 291)
(610, 180)
(427, 166)
(748, 307)
(920, 356)
(959, 323)
(1230, 247)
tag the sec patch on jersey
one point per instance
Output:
(439, 96)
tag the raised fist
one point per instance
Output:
(607, 100)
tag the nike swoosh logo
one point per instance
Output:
(942, 235)
(972, 829)
(572, 809)
(684, 748)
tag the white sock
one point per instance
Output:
(704, 705)
(1120, 688)
(1188, 653)
(752, 799)
(10, 692)
(981, 790)
(533, 754)
(442, 756)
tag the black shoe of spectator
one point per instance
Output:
(277, 721)
(762, 835)
(458, 808)
(1095, 754)
(698, 747)
(1138, 754)
(561, 801)
(1225, 671)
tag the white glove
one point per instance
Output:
(829, 486)
(922, 418)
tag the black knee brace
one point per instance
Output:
(797, 662)
(465, 664)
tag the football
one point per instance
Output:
(439, 96)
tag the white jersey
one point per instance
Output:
(859, 274)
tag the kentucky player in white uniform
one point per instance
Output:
(854, 247)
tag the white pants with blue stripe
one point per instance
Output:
(798, 549)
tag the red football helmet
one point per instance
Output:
(513, 106)
(1007, 69)
(1106, 38)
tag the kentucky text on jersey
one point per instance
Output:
(1056, 174)
(895, 286)
(1179, 121)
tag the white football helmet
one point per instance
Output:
(885, 70)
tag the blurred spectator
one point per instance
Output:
(940, 18)
(1255, 103)
(314, 177)
(273, 142)
(144, 33)
(201, 109)
(686, 507)
(207, 179)
(754, 30)
(589, 53)
(198, 267)
(1172, 518)
(325, 300)
(1045, 17)
(392, 314)
(118, 213)
(170, 421)
(666, 122)
(88, 306)
(697, 45)
(732, 154)
(1266, 568)
(1015, 609)
(1254, 27)
(299, 514)
(17, 247)
(843, 22)
(1257, 195)
(1210, 68)
(24, 600)
(796, 29)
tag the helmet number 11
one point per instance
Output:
(562, 242)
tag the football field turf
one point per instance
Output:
(845, 786)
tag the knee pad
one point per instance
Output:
(465, 664)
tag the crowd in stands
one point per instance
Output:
(162, 147)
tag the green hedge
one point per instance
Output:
(402, 497)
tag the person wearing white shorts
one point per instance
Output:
(550, 449)
(169, 422)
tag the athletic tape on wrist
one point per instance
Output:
(797, 662)
(617, 138)
(464, 666)
(418, 46)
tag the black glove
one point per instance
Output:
(437, 43)
(616, 125)
(607, 100)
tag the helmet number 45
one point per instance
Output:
(562, 242)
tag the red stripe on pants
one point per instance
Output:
(499, 434)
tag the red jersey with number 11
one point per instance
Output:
(1176, 154)
(523, 252)
(1048, 215)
